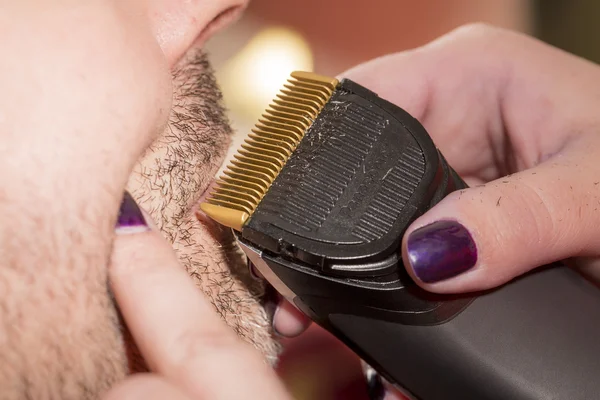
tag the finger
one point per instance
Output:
(482, 237)
(175, 327)
(488, 95)
(288, 321)
(145, 387)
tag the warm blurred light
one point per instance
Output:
(252, 78)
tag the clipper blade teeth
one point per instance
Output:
(266, 150)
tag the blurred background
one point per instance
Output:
(255, 56)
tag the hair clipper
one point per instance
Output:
(319, 197)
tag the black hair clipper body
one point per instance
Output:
(326, 233)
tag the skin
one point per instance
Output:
(106, 95)
(502, 113)
(190, 350)
(98, 97)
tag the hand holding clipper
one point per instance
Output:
(320, 195)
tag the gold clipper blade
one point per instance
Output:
(266, 150)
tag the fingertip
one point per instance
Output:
(441, 249)
(443, 255)
(410, 93)
(137, 240)
(482, 237)
(288, 321)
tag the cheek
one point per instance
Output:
(159, 76)
(151, 70)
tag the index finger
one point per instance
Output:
(478, 88)
(177, 329)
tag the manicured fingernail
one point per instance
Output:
(440, 251)
(375, 387)
(131, 219)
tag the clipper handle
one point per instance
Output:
(534, 339)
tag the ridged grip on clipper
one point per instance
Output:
(325, 187)
(362, 173)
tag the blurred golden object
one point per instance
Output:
(253, 76)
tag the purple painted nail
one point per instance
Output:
(131, 219)
(441, 250)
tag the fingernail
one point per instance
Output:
(375, 387)
(440, 251)
(130, 219)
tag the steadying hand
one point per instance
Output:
(518, 120)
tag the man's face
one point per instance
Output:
(171, 178)
(177, 170)
(98, 97)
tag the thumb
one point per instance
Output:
(482, 237)
(177, 330)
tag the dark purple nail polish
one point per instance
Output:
(441, 250)
(130, 215)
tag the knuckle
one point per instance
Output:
(510, 215)
(536, 211)
(524, 218)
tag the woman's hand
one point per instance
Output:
(190, 350)
(499, 103)
(519, 121)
